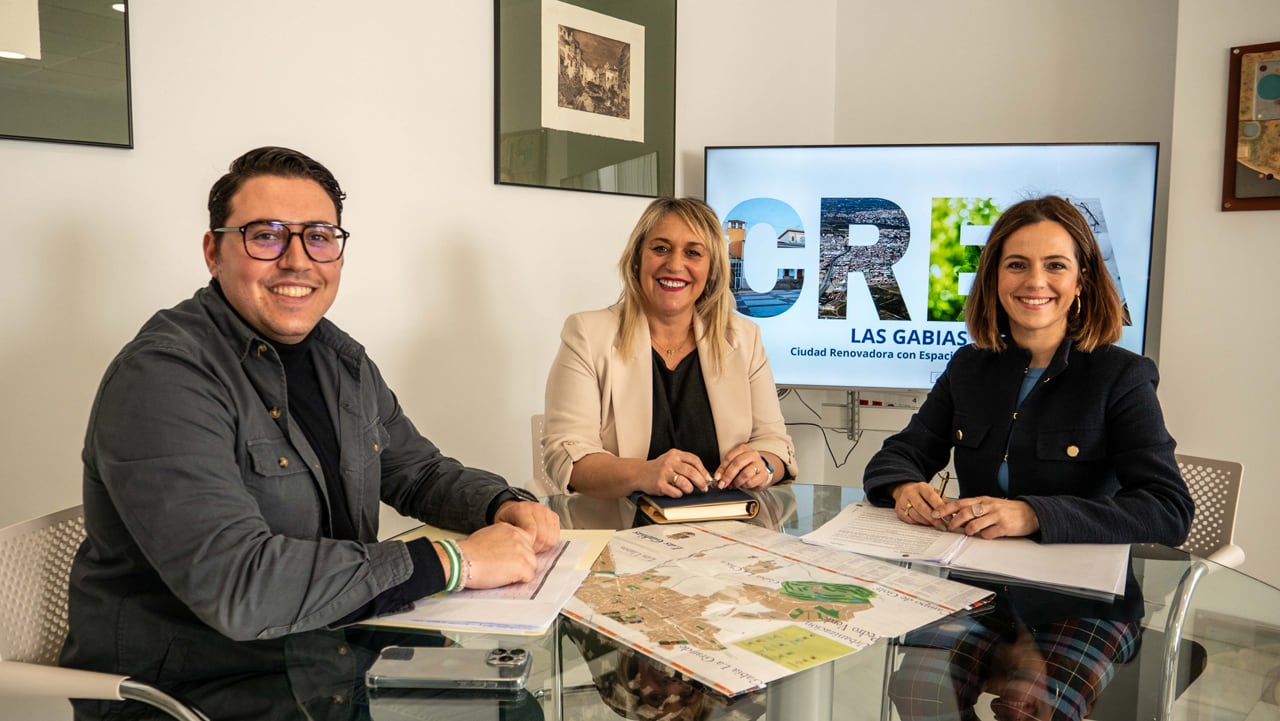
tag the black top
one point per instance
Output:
(307, 406)
(682, 412)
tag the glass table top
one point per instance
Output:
(1015, 668)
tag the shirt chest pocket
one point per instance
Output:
(274, 458)
(277, 473)
(1071, 445)
(286, 492)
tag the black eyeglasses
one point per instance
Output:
(269, 239)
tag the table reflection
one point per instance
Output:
(1038, 654)
(1041, 654)
(635, 686)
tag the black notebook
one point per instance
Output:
(711, 505)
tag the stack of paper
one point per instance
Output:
(1096, 570)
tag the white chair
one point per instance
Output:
(1215, 488)
(1173, 663)
(539, 484)
(35, 564)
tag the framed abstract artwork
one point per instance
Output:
(585, 95)
(1251, 166)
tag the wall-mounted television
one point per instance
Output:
(855, 260)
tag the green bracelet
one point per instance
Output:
(455, 565)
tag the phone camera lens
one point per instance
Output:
(506, 658)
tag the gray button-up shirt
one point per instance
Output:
(204, 504)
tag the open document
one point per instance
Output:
(737, 606)
(520, 608)
(1097, 570)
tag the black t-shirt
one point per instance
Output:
(306, 404)
(682, 412)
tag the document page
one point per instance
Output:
(1091, 569)
(522, 608)
(871, 531)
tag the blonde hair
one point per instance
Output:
(716, 301)
(1101, 316)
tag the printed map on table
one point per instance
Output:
(736, 606)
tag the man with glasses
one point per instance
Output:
(236, 457)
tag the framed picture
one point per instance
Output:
(70, 83)
(1251, 166)
(585, 95)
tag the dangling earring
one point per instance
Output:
(1077, 305)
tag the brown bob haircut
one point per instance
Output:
(1101, 316)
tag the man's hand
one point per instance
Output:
(541, 523)
(499, 554)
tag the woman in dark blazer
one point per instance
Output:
(1057, 433)
(1057, 436)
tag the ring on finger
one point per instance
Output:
(675, 480)
(908, 508)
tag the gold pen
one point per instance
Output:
(942, 487)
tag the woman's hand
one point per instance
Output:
(988, 517)
(915, 503)
(744, 467)
(674, 474)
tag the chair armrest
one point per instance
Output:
(1229, 555)
(31, 679)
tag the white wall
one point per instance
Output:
(1219, 382)
(458, 286)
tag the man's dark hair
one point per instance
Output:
(270, 160)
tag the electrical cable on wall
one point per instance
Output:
(857, 438)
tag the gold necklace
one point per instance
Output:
(670, 352)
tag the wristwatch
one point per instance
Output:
(768, 467)
(510, 493)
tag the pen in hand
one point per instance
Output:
(942, 489)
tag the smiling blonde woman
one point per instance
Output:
(668, 391)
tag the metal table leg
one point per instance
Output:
(804, 695)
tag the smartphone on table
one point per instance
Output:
(494, 670)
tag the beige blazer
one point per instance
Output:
(601, 402)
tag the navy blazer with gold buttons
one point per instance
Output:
(1087, 448)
